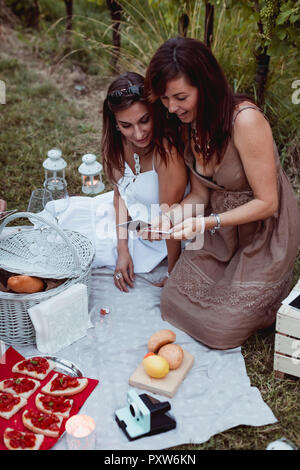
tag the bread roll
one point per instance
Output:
(173, 353)
(25, 284)
(161, 337)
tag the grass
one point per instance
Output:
(144, 28)
(36, 118)
(39, 115)
(280, 395)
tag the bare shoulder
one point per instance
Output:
(252, 137)
(248, 119)
(252, 128)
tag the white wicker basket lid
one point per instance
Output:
(47, 252)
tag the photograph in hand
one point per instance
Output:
(140, 225)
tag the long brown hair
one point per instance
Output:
(111, 142)
(193, 60)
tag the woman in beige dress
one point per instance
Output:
(225, 291)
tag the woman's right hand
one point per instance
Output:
(124, 272)
(161, 223)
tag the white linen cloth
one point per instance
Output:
(61, 320)
(95, 218)
(216, 394)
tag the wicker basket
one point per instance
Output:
(16, 327)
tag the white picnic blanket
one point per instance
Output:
(215, 396)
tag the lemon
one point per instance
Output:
(156, 366)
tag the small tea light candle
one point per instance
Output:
(80, 431)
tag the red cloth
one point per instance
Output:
(11, 357)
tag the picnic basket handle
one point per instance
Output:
(31, 215)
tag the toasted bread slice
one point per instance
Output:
(82, 383)
(7, 438)
(40, 405)
(16, 383)
(41, 418)
(22, 367)
(8, 414)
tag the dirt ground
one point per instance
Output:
(88, 91)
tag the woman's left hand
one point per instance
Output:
(189, 228)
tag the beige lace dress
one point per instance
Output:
(233, 286)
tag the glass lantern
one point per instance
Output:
(54, 165)
(90, 171)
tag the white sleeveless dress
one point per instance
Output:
(95, 218)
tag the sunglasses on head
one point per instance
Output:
(116, 96)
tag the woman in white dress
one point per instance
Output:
(146, 178)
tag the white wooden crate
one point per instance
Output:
(287, 340)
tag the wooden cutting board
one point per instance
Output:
(167, 386)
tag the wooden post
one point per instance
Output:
(262, 63)
(33, 19)
(262, 70)
(208, 24)
(69, 11)
(183, 25)
(115, 13)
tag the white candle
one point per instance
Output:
(80, 432)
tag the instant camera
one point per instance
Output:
(143, 416)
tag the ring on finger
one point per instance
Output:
(118, 276)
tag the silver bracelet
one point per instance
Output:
(218, 223)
